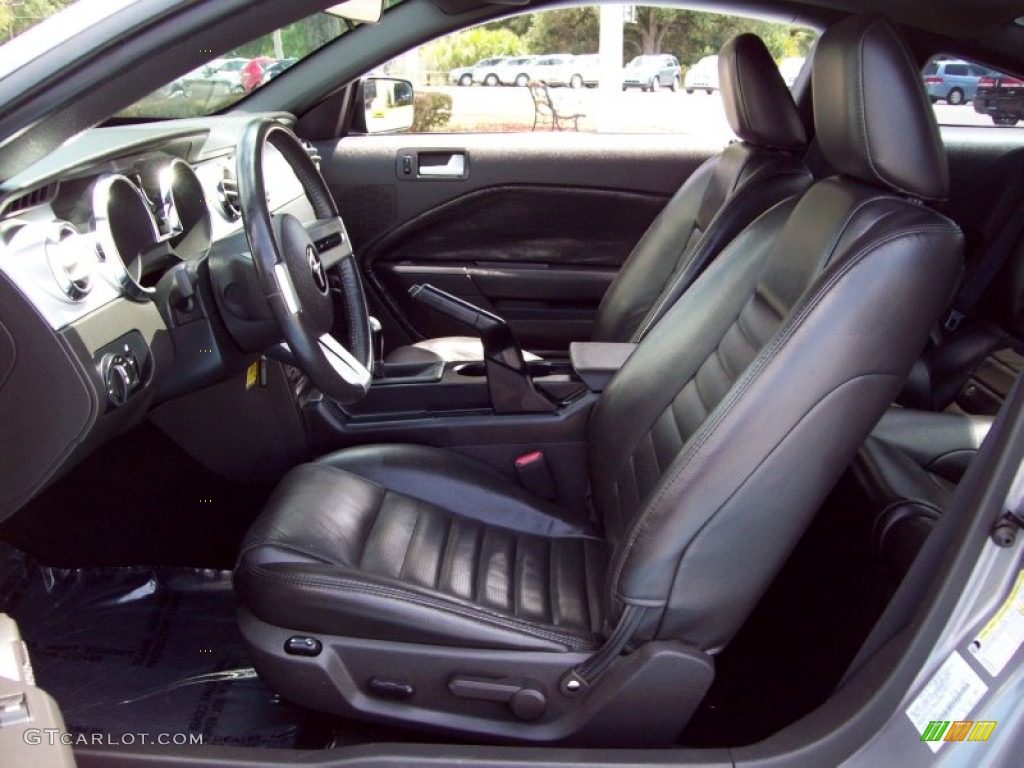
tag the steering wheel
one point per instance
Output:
(293, 264)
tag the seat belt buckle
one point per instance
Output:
(535, 475)
(952, 321)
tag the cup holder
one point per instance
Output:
(471, 369)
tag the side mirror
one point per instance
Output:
(388, 104)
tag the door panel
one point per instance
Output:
(535, 229)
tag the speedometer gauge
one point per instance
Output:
(187, 220)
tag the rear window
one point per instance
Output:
(956, 101)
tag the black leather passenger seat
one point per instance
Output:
(718, 200)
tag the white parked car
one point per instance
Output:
(515, 71)
(466, 75)
(553, 69)
(587, 68)
(501, 72)
(703, 76)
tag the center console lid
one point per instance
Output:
(595, 362)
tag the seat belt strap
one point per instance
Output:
(582, 676)
(983, 272)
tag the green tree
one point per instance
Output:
(690, 35)
(468, 47)
(18, 15)
(647, 35)
(572, 30)
(519, 25)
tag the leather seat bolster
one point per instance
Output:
(889, 476)
(900, 531)
(655, 259)
(941, 443)
(760, 183)
(459, 484)
(322, 598)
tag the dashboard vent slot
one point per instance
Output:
(69, 261)
(227, 190)
(37, 197)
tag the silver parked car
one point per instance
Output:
(651, 72)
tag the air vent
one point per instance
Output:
(68, 254)
(227, 191)
(37, 197)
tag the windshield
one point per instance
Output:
(234, 74)
(227, 77)
(642, 61)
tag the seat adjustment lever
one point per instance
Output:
(525, 700)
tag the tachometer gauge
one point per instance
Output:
(125, 230)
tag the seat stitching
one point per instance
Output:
(752, 374)
(514, 581)
(307, 551)
(554, 592)
(721, 360)
(744, 332)
(655, 312)
(359, 587)
(373, 522)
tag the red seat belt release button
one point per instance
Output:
(535, 475)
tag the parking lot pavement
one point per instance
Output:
(698, 115)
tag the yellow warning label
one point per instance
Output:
(252, 375)
(1000, 638)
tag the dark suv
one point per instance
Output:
(1001, 97)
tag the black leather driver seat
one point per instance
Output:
(721, 197)
(413, 584)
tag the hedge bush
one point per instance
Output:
(432, 112)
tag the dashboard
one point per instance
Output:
(105, 299)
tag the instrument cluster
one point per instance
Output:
(109, 235)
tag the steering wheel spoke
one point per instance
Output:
(293, 260)
(331, 240)
(346, 366)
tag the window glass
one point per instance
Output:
(229, 77)
(664, 79)
(969, 93)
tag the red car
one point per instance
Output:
(252, 73)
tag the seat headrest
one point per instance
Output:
(872, 117)
(757, 102)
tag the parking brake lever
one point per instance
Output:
(508, 378)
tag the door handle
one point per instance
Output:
(432, 164)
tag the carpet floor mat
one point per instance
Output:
(148, 651)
